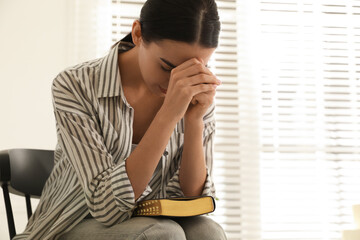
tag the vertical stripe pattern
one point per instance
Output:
(94, 130)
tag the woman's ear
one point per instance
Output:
(136, 32)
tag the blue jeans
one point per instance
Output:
(146, 228)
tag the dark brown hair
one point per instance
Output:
(190, 21)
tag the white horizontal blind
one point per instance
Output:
(307, 69)
(224, 64)
(248, 120)
(227, 141)
(124, 12)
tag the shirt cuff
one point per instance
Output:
(122, 189)
(209, 187)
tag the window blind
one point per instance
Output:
(227, 139)
(306, 71)
(224, 64)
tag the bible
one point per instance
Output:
(175, 207)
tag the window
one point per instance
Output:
(306, 75)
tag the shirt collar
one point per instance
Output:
(109, 81)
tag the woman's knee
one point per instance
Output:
(213, 231)
(163, 229)
(201, 228)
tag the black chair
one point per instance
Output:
(23, 172)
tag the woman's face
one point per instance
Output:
(156, 60)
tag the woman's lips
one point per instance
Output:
(163, 90)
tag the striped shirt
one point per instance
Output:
(94, 131)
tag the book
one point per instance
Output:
(175, 207)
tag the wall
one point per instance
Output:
(33, 38)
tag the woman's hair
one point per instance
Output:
(190, 21)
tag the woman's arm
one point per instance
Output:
(189, 79)
(142, 162)
(192, 174)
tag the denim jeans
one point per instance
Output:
(141, 228)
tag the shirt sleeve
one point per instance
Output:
(173, 188)
(108, 192)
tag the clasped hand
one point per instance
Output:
(191, 90)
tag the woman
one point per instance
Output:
(136, 124)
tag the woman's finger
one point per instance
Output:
(201, 78)
(195, 69)
(185, 65)
(204, 98)
(194, 90)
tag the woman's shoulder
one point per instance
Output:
(80, 76)
(98, 77)
(92, 63)
(83, 70)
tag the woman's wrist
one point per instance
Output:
(194, 124)
(165, 117)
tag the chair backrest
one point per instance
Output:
(23, 172)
